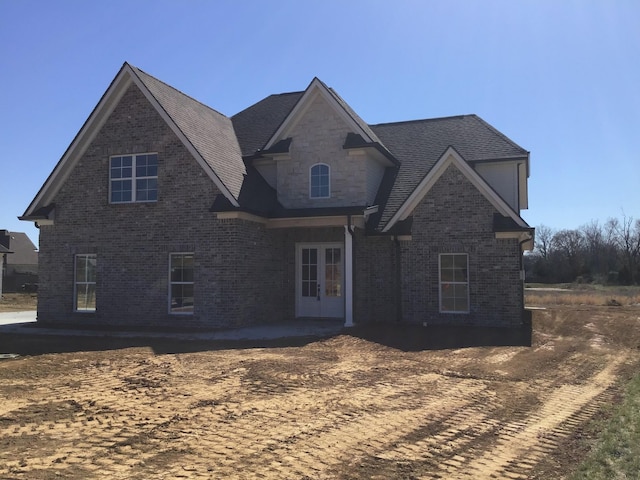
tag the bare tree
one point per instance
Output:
(569, 248)
(628, 239)
(544, 241)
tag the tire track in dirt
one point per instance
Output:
(521, 444)
(312, 449)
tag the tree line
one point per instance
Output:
(606, 253)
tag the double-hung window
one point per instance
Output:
(319, 181)
(454, 283)
(133, 178)
(181, 283)
(84, 291)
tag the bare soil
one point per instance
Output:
(369, 405)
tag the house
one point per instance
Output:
(4, 251)
(21, 267)
(164, 212)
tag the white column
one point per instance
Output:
(348, 277)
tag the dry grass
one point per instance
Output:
(18, 302)
(583, 295)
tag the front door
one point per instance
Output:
(319, 280)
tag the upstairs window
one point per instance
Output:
(133, 178)
(454, 283)
(319, 181)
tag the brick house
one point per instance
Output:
(21, 267)
(165, 213)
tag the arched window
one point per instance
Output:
(319, 181)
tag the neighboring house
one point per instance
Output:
(21, 267)
(4, 251)
(163, 212)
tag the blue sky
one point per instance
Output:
(561, 79)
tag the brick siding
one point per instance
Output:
(245, 273)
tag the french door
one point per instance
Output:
(320, 280)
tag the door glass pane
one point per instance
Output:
(333, 273)
(309, 272)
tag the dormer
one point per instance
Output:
(323, 154)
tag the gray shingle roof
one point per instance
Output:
(418, 145)
(23, 250)
(256, 125)
(211, 133)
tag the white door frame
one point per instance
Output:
(329, 307)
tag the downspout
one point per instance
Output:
(522, 273)
(398, 279)
(349, 269)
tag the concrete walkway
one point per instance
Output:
(24, 323)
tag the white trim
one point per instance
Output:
(180, 283)
(82, 140)
(440, 282)
(525, 238)
(334, 221)
(319, 164)
(242, 216)
(134, 177)
(451, 157)
(76, 283)
(328, 305)
(315, 87)
(348, 277)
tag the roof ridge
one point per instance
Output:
(420, 120)
(178, 90)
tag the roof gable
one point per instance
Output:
(448, 158)
(207, 134)
(419, 144)
(317, 87)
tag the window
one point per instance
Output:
(333, 272)
(454, 283)
(84, 291)
(181, 283)
(133, 178)
(319, 181)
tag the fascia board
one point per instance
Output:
(357, 221)
(82, 140)
(451, 157)
(316, 86)
(183, 138)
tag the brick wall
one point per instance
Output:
(455, 218)
(318, 137)
(133, 241)
(245, 273)
(375, 282)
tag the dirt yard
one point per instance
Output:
(347, 407)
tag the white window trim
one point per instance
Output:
(329, 175)
(440, 283)
(179, 283)
(133, 177)
(76, 283)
